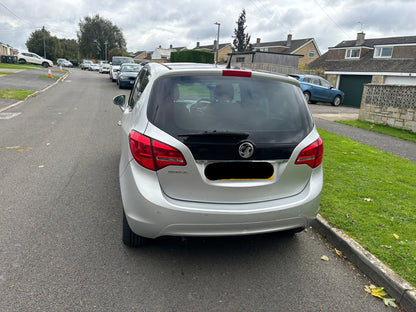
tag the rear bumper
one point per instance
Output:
(150, 213)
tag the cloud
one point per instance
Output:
(146, 24)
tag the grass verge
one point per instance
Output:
(46, 76)
(370, 195)
(384, 129)
(19, 66)
(15, 94)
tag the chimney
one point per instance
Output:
(360, 38)
(289, 40)
(258, 42)
(170, 46)
(197, 44)
(215, 45)
(160, 46)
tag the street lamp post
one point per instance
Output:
(218, 42)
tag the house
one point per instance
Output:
(223, 50)
(5, 49)
(351, 64)
(306, 47)
(161, 55)
(142, 56)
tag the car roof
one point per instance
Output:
(167, 69)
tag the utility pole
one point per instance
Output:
(218, 42)
(44, 46)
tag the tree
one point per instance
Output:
(97, 36)
(41, 42)
(241, 40)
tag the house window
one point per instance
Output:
(352, 53)
(240, 59)
(311, 53)
(384, 52)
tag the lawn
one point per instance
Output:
(371, 195)
(19, 66)
(384, 129)
(15, 94)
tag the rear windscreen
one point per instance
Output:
(121, 60)
(259, 107)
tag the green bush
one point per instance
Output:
(193, 56)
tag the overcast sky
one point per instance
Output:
(146, 24)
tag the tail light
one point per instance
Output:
(152, 154)
(311, 155)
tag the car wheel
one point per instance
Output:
(336, 101)
(130, 238)
(22, 61)
(307, 96)
(45, 65)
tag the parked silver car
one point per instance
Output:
(210, 151)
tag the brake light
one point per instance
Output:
(152, 154)
(236, 73)
(311, 155)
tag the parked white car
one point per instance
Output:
(210, 151)
(33, 58)
(104, 67)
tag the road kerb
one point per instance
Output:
(381, 274)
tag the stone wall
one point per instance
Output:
(393, 105)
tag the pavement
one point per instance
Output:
(325, 115)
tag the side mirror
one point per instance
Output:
(119, 100)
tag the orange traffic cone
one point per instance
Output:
(49, 72)
(60, 67)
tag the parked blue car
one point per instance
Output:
(316, 89)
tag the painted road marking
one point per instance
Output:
(8, 115)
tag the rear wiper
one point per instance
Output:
(242, 135)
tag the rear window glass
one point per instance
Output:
(194, 104)
(121, 60)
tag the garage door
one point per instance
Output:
(353, 86)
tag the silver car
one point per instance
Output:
(210, 151)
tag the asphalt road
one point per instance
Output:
(60, 229)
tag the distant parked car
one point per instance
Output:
(94, 67)
(115, 65)
(104, 67)
(209, 151)
(33, 58)
(85, 65)
(127, 75)
(64, 62)
(316, 89)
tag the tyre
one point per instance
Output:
(45, 64)
(22, 61)
(131, 239)
(336, 101)
(307, 96)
